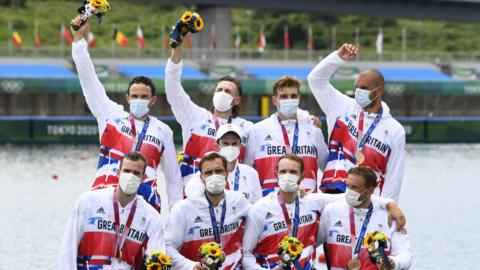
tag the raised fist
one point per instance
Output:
(348, 52)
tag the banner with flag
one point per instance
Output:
(262, 41)
(119, 38)
(213, 38)
(310, 45)
(165, 38)
(92, 42)
(379, 42)
(37, 38)
(140, 39)
(16, 39)
(65, 34)
(286, 39)
(238, 40)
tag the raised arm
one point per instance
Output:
(97, 100)
(331, 101)
(185, 111)
(171, 169)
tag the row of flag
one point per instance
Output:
(120, 38)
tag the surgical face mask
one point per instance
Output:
(230, 152)
(139, 107)
(215, 183)
(353, 197)
(288, 182)
(362, 96)
(129, 183)
(288, 107)
(222, 101)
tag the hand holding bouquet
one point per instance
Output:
(212, 255)
(189, 22)
(158, 261)
(290, 250)
(376, 243)
(89, 9)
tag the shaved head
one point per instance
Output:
(373, 75)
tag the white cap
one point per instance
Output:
(224, 129)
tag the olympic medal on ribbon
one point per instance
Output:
(354, 264)
(359, 157)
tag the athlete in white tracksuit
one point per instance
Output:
(89, 241)
(241, 177)
(335, 232)
(189, 226)
(214, 215)
(384, 149)
(349, 227)
(266, 144)
(115, 129)
(199, 125)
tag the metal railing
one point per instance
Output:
(244, 54)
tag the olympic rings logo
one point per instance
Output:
(12, 86)
(207, 87)
(395, 88)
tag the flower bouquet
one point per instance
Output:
(189, 22)
(157, 260)
(91, 8)
(212, 255)
(376, 242)
(290, 250)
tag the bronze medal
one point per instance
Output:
(354, 264)
(359, 157)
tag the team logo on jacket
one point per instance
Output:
(100, 211)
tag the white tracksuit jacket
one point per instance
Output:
(189, 226)
(335, 231)
(384, 150)
(157, 146)
(90, 234)
(266, 145)
(198, 126)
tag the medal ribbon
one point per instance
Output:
(359, 241)
(217, 124)
(216, 230)
(120, 238)
(141, 137)
(286, 140)
(362, 139)
(237, 178)
(296, 216)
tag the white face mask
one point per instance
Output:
(230, 152)
(353, 197)
(215, 183)
(362, 96)
(139, 107)
(288, 182)
(222, 101)
(288, 107)
(129, 183)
